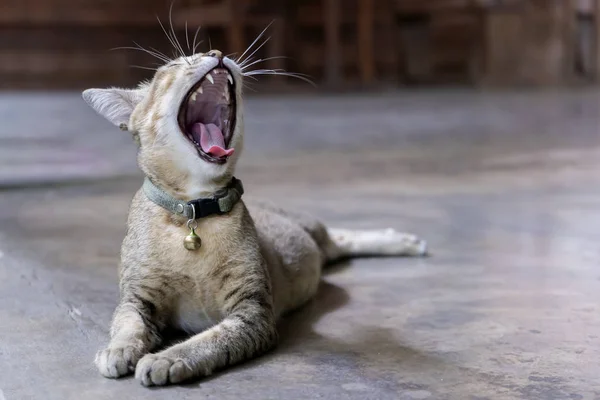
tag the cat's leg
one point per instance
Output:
(133, 333)
(247, 331)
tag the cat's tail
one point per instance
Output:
(345, 243)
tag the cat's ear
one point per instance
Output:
(114, 104)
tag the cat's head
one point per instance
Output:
(188, 121)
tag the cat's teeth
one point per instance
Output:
(226, 94)
(230, 78)
(193, 96)
(210, 78)
(200, 90)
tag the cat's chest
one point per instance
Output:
(193, 314)
(170, 248)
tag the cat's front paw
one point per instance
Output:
(160, 369)
(114, 362)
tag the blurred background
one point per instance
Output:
(474, 124)
(64, 44)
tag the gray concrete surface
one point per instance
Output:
(504, 186)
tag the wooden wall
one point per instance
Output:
(501, 42)
(66, 43)
(540, 43)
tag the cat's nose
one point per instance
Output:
(215, 53)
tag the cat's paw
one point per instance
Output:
(160, 369)
(114, 362)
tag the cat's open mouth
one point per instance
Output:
(207, 115)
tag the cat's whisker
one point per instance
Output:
(243, 67)
(239, 60)
(250, 88)
(247, 60)
(167, 59)
(173, 35)
(153, 52)
(301, 77)
(178, 51)
(199, 43)
(142, 67)
(273, 71)
(194, 45)
(187, 38)
(257, 49)
(167, 35)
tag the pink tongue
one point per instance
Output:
(211, 140)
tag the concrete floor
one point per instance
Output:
(504, 187)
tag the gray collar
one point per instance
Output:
(221, 202)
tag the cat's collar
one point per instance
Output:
(221, 202)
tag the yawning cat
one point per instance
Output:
(195, 257)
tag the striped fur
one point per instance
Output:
(256, 263)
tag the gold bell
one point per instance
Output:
(192, 241)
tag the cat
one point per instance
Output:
(244, 266)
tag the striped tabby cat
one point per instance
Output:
(254, 263)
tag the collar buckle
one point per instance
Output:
(205, 207)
